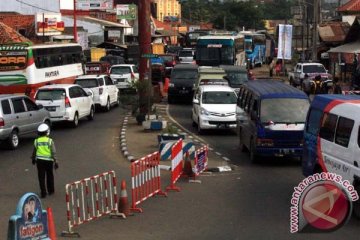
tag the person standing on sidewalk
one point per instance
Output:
(44, 156)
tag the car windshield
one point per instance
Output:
(219, 98)
(284, 110)
(183, 76)
(185, 54)
(213, 82)
(120, 70)
(237, 78)
(87, 83)
(50, 94)
(314, 69)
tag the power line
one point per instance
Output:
(36, 7)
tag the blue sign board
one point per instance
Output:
(29, 221)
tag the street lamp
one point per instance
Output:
(75, 25)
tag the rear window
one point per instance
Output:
(87, 83)
(167, 58)
(5, 105)
(185, 54)
(237, 78)
(183, 76)
(219, 98)
(120, 70)
(50, 94)
(284, 110)
(314, 69)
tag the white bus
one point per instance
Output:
(25, 67)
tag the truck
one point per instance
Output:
(297, 76)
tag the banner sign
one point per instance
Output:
(94, 5)
(48, 24)
(284, 41)
(126, 11)
(29, 221)
(201, 160)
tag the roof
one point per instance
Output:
(160, 25)
(233, 68)
(104, 23)
(322, 100)
(9, 35)
(186, 66)
(351, 6)
(333, 31)
(205, 69)
(91, 76)
(274, 89)
(353, 47)
(54, 86)
(216, 88)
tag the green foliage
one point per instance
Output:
(170, 129)
(234, 15)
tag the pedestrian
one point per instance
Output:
(44, 156)
(278, 67)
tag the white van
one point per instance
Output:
(332, 138)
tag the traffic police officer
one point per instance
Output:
(44, 156)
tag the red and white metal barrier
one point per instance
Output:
(145, 178)
(176, 164)
(201, 160)
(89, 199)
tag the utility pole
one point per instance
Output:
(144, 34)
(75, 25)
(315, 30)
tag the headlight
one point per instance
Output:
(203, 111)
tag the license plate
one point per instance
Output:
(184, 91)
(51, 109)
(223, 125)
(121, 79)
(285, 151)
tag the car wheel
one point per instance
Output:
(91, 114)
(193, 122)
(47, 122)
(107, 106)
(253, 157)
(170, 100)
(75, 122)
(117, 101)
(241, 144)
(13, 140)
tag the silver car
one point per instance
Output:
(19, 115)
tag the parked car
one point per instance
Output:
(312, 70)
(66, 102)
(105, 93)
(270, 117)
(182, 82)
(124, 75)
(97, 68)
(186, 55)
(214, 108)
(19, 115)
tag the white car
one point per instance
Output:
(214, 107)
(124, 75)
(66, 102)
(105, 93)
(186, 55)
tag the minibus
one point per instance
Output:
(270, 118)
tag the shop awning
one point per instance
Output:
(353, 47)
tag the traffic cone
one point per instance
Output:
(123, 206)
(187, 169)
(51, 225)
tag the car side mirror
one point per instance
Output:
(40, 106)
(195, 101)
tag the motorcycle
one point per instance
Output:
(319, 85)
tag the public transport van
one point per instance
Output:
(270, 119)
(25, 67)
(332, 138)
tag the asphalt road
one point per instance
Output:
(251, 202)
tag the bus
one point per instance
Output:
(25, 67)
(220, 50)
(255, 49)
(191, 37)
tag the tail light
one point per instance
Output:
(263, 142)
(67, 102)
(174, 63)
(101, 90)
(2, 122)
